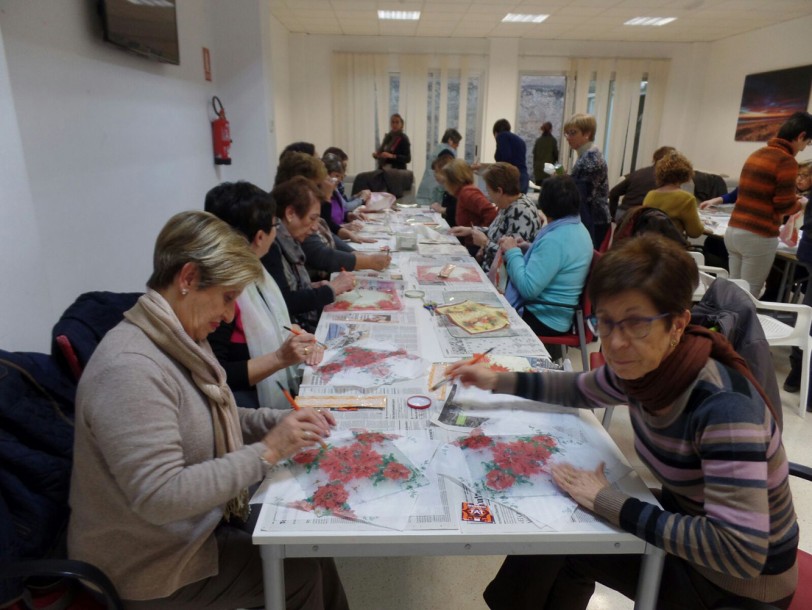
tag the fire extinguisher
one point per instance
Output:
(220, 133)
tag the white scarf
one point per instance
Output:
(264, 313)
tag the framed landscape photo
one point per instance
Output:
(769, 98)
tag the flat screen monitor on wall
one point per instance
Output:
(144, 27)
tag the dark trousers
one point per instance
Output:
(566, 582)
(541, 329)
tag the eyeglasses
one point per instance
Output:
(634, 327)
(571, 132)
(275, 224)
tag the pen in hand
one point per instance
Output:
(298, 332)
(296, 407)
(475, 360)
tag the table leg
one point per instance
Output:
(273, 576)
(648, 586)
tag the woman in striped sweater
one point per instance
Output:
(703, 427)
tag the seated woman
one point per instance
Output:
(672, 171)
(325, 251)
(350, 203)
(703, 427)
(256, 349)
(473, 208)
(546, 282)
(447, 204)
(516, 216)
(298, 209)
(163, 457)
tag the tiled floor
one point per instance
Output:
(451, 583)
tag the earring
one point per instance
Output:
(674, 342)
(184, 292)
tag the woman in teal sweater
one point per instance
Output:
(547, 280)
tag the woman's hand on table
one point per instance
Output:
(297, 430)
(353, 225)
(343, 282)
(582, 485)
(477, 375)
(436, 207)
(300, 348)
(710, 203)
(461, 231)
(378, 261)
(359, 239)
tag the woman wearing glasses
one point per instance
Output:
(703, 427)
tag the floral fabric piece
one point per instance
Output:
(368, 363)
(475, 318)
(351, 471)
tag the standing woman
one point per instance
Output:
(702, 425)
(163, 457)
(517, 216)
(473, 208)
(430, 190)
(395, 151)
(766, 195)
(590, 174)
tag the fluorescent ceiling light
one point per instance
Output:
(399, 15)
(650, 20)
(518, 18)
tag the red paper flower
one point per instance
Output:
(476, 441)
(499, 480)
(373, 438)
(306, 457)
(330, 497)
(354, 462)
(395, 471)
(515, 458)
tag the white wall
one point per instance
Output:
(114, 144)
(24, 291)
(713, 129)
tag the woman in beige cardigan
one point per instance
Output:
(163, 457)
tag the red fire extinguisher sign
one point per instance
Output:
(220, 133)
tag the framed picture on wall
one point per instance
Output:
(769, 98)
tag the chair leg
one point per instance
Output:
(806, 357)
(607, 417)
(579, 321)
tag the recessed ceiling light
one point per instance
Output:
(650, 20)
(518, 18)
(399, 15)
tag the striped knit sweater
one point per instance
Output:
(766, 189)
(727, 507)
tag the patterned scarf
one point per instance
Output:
(681, 368)
(153, 314)
(295, 269)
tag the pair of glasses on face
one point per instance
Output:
(571, 132)
(634, 327)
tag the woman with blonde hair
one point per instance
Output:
(163, 457)
(590, 174)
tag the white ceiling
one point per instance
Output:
(697, 20)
